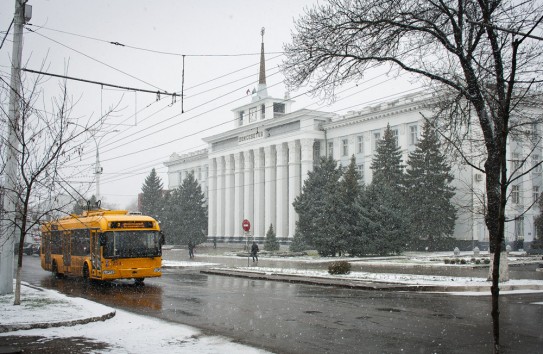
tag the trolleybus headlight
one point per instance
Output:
(109, 272)
(158, 270)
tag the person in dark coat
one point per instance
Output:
(254, 251)
(191, 249)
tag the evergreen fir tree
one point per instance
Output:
(298, 243)
(383, 227)
(152, 202)
(319, 208)
(187, 213)
(387, 164)
(271, 243)
(348, 229)
(429, 193)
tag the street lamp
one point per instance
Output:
(99, 169)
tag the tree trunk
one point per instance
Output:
(18, 285)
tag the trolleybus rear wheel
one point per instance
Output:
(54, 269)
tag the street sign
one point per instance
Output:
(246, 225)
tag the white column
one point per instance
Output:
(307, 157)
(269, 188)
(281, 229)
(238, 193)
(293, 184)
(248, 194)
(212, 199)
(229, 196)
(220, 196)
(258, 226)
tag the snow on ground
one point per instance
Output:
(125, 332)
(187, 264)
(410, 279)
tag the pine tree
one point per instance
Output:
(298, 243)
(387, 164)
(271, 243)
(152, 202)
(187, 213)
(348, 229)
(319, 207)
(428, 179)
(383, 227)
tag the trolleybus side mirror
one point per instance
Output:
(162, 238)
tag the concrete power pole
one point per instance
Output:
(8, 230)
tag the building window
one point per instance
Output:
(252, 114)
(317, 151)
(278, 108)
(241, 113)
(331, 148)
(515, 194)
(535, 193)
(345, 147)
(395, 135)
(536, 163)
(262, 111)
(360, 169)
(360, 144)
(413, 135)
(519, 228)
(516, 163)
(376, 139)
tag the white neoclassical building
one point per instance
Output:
(256, 170)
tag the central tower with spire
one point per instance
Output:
(262, 90)
(262, 105)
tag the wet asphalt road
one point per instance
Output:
(295, 318)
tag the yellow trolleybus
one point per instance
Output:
(103, 245)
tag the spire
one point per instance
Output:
(262, 90)
(262, 75)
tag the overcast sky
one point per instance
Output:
(72, 37)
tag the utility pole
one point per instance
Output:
(8, 230)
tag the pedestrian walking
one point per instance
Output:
(191, 250)
(254, 251)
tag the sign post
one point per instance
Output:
(246, 227)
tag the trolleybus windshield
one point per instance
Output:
(131, 244)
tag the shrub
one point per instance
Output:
(447, 261)
(477, 261)
(339, 267)
(463, 261)
(271, 243)
(487, 261)
(473, 260)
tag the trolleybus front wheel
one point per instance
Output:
(139, 281)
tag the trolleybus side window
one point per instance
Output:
(81, 242)
(56, 242)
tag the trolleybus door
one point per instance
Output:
(46, 243)
(95, 252)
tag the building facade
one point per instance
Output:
(256, 170)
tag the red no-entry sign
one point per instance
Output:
(246, 225)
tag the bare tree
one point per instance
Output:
(46, 141)
(480, 52)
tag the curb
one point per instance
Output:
(41, 325)
(360, 284)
